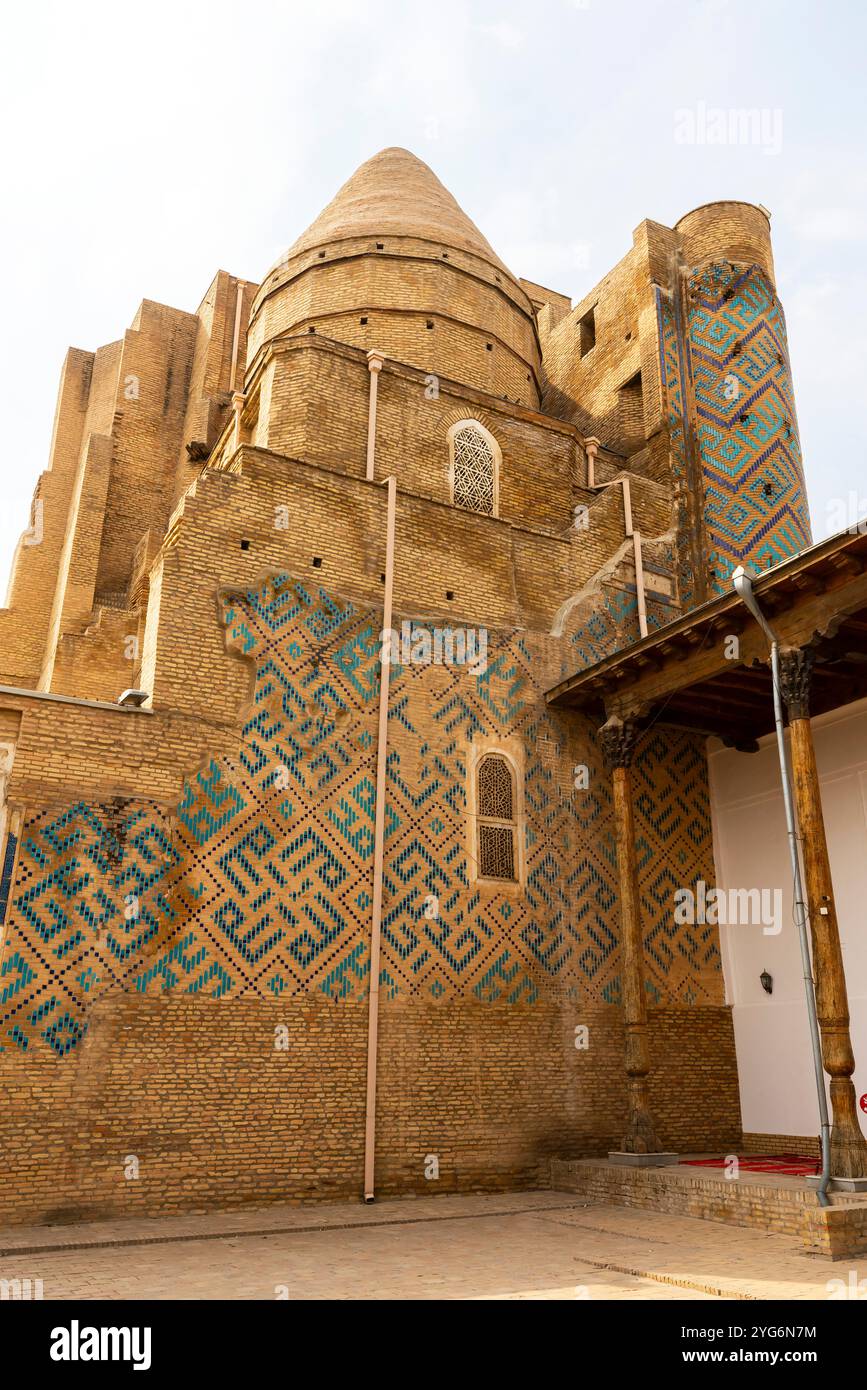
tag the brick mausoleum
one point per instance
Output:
(192, 880)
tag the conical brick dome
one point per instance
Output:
(394, 263)
(396, 194)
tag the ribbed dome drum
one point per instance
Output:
(394, 263)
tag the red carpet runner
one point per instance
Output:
(787, 1165)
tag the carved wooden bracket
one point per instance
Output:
(618, 742)
(796, 670)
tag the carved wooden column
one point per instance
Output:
(618, 743)
(848, 1146)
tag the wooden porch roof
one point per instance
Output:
(681, 675)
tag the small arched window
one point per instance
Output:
(474, 468)
(495, 818)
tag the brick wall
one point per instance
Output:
(317, 412)
(196, 1091)
(24, 625)
(585, 383)
(808, 1144)
(741, 228)
(477, 334)
(117, 467)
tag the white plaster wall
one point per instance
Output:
(771, 1032)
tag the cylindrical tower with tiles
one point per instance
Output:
(750, 502)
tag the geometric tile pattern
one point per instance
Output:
(727, 387)
(260, 882)
(607, 623)
(674, 848)
(279, 844)
(89, 896)
(755, 508)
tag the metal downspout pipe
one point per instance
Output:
(375, 361)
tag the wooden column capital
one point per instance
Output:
(618, 738)
(796, 675)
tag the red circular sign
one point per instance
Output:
(863, 1102)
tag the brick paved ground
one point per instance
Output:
(542, 1245)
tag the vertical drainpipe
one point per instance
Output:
(238, 399)
(378, 834)
(591, 447)
(236, 336)
(636, 550)
(375, 360)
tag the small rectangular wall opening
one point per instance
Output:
(631, 401)
(587, 332)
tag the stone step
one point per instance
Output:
(768, 1202)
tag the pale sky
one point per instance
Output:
(147, 146)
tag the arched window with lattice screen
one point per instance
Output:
(495, 818)
(474, 468)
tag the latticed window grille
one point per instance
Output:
(496, 852)
(495, 788)
(495, 792)
(473, 471)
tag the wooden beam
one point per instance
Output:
(726, 729)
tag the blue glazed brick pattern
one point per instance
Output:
(608, 623)
(674, 848)
(755, 508)
(260, 885)
(90, 899)
(726, 378)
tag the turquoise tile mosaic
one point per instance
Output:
(259, 882)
